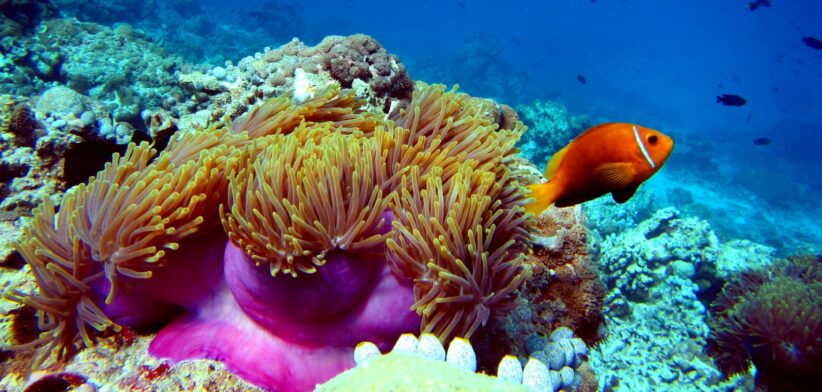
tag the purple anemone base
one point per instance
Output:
(280, 333)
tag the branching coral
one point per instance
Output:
(773, 319)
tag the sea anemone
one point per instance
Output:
(460, 231)
(462, 248)
(297, 200)
(119, 225)
(338, 225)
(772, 318)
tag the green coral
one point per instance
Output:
(772, 318)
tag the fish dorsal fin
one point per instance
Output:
(622, 195)
(617, 175)
(553, 164)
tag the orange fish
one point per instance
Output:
(608, 158)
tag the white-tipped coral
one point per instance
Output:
(365, 352)
(431, 348)
(407, 343)
(536, 377)
(461, 354)
(510, 369)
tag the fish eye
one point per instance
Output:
(652, 139)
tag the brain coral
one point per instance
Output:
(772, 317)
(277, 243)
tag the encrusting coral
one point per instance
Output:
(339, 225)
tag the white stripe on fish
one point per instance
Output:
(642, 147)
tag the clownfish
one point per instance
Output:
(607, 158)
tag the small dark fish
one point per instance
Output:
(462, 5)
(516, 41)
(582, 79)
(731, 100)
(761, 141)
(753, 5)
(813, 42)
(749, 117)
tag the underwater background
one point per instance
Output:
(735, 206)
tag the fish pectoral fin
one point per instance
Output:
(622, 195)
(617, 175)
(553, 164)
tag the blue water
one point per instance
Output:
(657, 63)
(660, 63)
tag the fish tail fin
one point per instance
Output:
(543, 195)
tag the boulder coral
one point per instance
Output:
(772, 318)
(277, 243)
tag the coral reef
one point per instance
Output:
(659, 275)
(452, 369)
(550, 127)
(404, 372)
(362, 57)
(356, 61)
(574, 294)
(114, 254)
(117, 67)
(667, 244)
(565, 356)
(185, 29)
(733, 211)
(19, 16)
(28, 168)
(660, 342)
(564, 289)
(772, 318)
